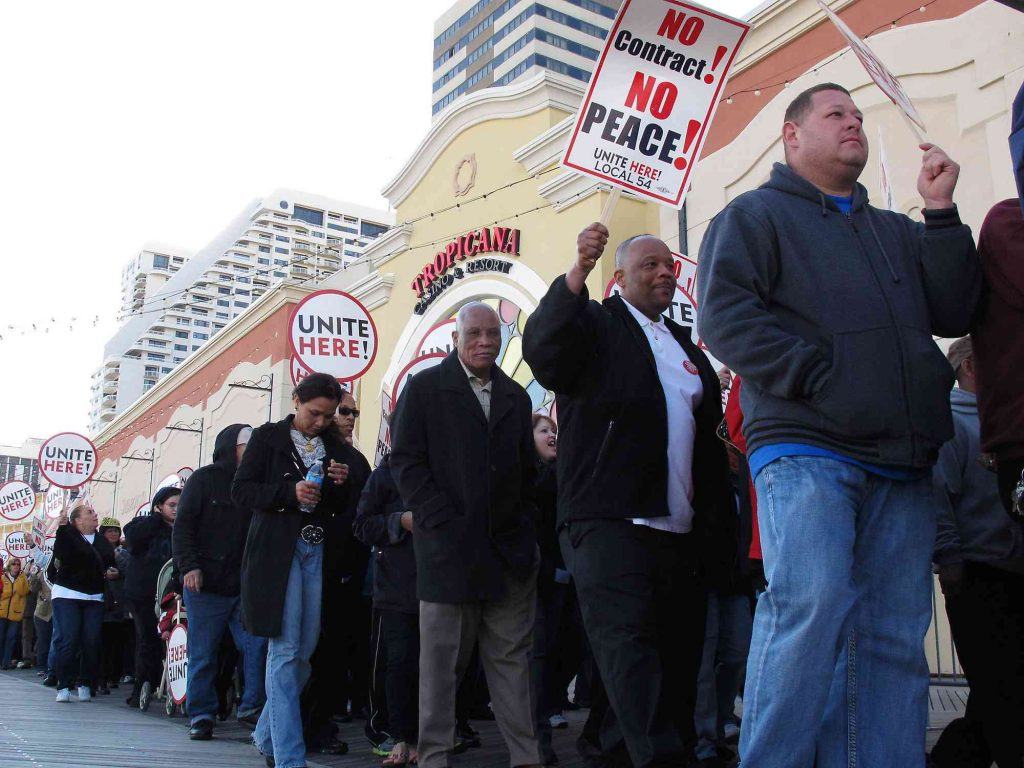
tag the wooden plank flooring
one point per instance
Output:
(36, 732)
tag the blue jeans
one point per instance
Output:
(10, 633)
(726, 642)
(279, 731)
(79, 631)
(837, 674)
(209, 616)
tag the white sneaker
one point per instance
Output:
(84, 694)
(64, 695)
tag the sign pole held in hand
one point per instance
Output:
(609, 205)
(882, 77)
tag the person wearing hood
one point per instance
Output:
(207, 542)
(979, 554)
(826, 306)
(148, 539)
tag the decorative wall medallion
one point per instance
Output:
(465, 175)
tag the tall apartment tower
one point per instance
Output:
(174, 301)
(480, 43)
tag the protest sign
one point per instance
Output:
(171, 481)
(177, 664)
(884, 179)
(56, 498)
(142, 511)
(438, 339)
(332, 332)
(297, 370)
(883, 78)
(653, 96)
(18, 544)
(17, 500)
(67, 460)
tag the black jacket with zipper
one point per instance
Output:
(210, 530)
(829, 318)
(379, 524)
(265, 484)
(80, 565)
(613, 423)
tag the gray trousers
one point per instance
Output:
(504, 630)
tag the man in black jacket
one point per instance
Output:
(643, 498)
(208, 541)
(826, 306)
(463, 459)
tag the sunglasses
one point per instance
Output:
(348, 412)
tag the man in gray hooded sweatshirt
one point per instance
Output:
(826, 306)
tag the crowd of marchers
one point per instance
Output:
(727, 567)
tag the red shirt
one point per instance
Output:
(734, 420)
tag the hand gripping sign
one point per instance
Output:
(883, 78)
(17, 500)
(331, 332)
(67, 460)
(653, 95)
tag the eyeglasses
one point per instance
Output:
(348, 412)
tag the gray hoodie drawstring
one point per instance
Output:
(878, 242)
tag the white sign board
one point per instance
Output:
(17, 500)
(298, 372)
(56, 498)
(171, 481)
(422, 363)
(652, 97)
(67, 460)
(438, 339)
(883, 78)
(331, 332)
(177, 663)
(18, 544)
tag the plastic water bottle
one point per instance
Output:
(314, 475)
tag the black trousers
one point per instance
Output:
(987, 620)
(377, 728)
(149, 648)
(643, 611)
(115, 636)
(400, 638)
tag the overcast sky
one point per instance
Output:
(133, 121)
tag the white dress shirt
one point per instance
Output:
(681, 383)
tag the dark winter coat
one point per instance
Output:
(79, 565)
(469, 482)
(379, 524)
(210, 530)
(148, 539)
(265, 483)
(546, 495)
(613, 423)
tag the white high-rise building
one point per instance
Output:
(480, 43)
(174, 301)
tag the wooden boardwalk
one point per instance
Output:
(36, 732)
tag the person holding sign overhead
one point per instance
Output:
(293, 478)
(826, 306)
(644, 505)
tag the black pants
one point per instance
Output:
(556, 657)
(987, 620)
(353, 649)
(149, 648)
(644, 612)
(115, 636)
(400, 641)
(377, 727)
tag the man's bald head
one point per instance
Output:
(645, 273)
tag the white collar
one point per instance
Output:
(643, 319)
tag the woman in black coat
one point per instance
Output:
(148, 540)
(282, 568)
(84, 560)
